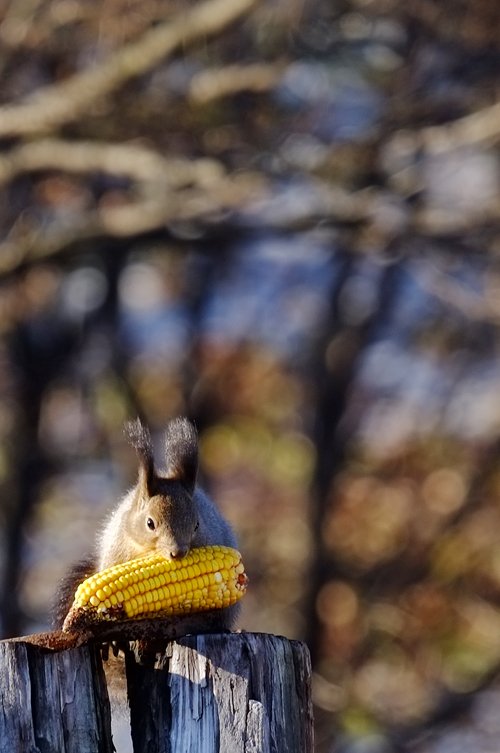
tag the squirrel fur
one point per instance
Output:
(164, 512)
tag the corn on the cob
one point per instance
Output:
(211, 577)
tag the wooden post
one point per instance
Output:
(214, 693)
(227, 693)
(53, 701)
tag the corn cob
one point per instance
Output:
(210, 577)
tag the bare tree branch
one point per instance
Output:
(233, 79)
(50, 107)
(162, 190)
(480, 127)
(139, 163)
(478, 307)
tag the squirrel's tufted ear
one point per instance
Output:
(140, 438)
(181, 450)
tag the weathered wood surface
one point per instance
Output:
(228, 693)
(53, 702)
(212, 693)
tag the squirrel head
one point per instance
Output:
(164, 516)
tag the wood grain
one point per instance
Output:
(53, 701)
(224, 693)
(209, 693)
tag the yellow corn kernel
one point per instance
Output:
(210, 577)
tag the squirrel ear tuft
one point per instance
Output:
(140, 438)
(181, 450)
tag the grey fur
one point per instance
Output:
(182, 514)
(172, 501)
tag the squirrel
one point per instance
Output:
(164, 512)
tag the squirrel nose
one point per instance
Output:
(176, 552)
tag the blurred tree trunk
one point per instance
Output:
(38, 350)
(337, 362)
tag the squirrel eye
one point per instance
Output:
(151, 524)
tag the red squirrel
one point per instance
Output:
(164, 512)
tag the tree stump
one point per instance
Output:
(234, 693)
(213, 693)
(53, 701)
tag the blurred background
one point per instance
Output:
(282, 220)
